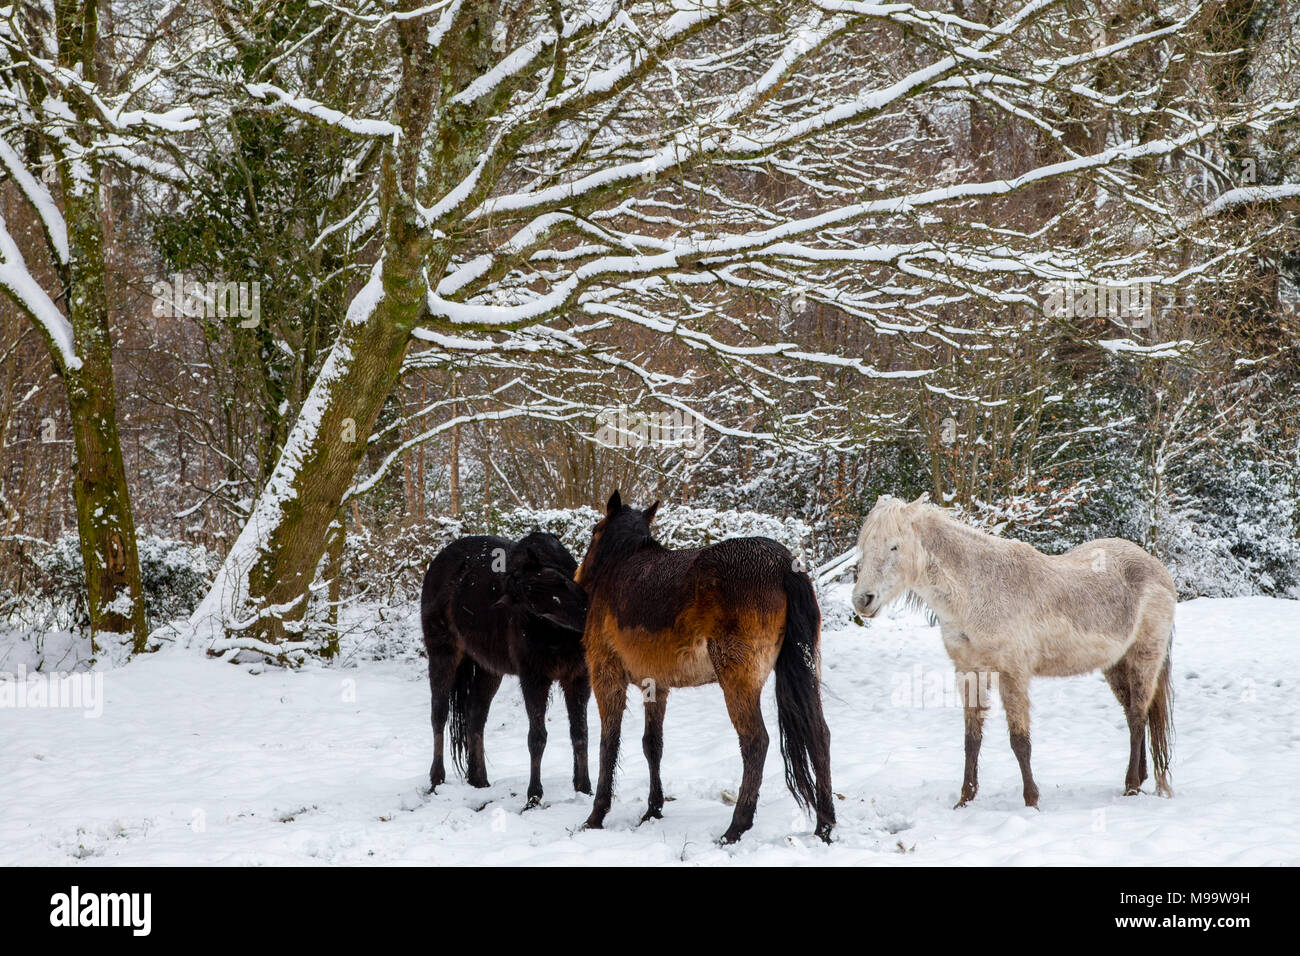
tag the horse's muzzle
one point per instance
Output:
(863, 604)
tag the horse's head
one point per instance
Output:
(621, 531)
(539, 582)
(890, 555)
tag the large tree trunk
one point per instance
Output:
(104, 520)
(326, 447)
(272, 565)
(273, 562)
(83, 361)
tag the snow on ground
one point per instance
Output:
(196, 761)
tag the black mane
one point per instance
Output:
(625, 533)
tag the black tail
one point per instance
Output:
(805, 739)
(466, 674)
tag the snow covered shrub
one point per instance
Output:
(675, 526)
(389, 567)
(685, 527)
(369, 631)
(571, 525)
(1223, 529)
(392, 568)
(831, 494)
(174, 575)
(56, 599)
(1033, 511)
(1234, 532)
(382, 574)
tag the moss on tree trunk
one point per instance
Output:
(104, 520)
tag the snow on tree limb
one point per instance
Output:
(305, 106)
(56, 230)
(1251, 194)
(27, 293)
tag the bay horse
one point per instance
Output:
(1004, 608)
(489, 607)
(728, 614)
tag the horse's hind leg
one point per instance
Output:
(742, 696)
(444, 658)
(1142, 666)
(536, 688)
(1120, 676)
(1137, 756)
(652, 745)
(480, 699)
(576, 692)
(1014, 690)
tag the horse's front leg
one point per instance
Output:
(536, 688)
(1014, 690)
(576, 692)
(652, 745)
(973, 711)
(611, 697)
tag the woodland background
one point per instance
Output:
(900, 351)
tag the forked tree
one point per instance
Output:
(551, 168)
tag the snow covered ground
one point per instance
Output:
(196, 761)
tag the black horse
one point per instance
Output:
(490, 607)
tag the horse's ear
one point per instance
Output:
(922, 499)
(614, 504)
(650, 512)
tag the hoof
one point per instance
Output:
(593, 823)
(1131, 791)
(533, 802)
(824, 832)
(1031, 799)
(652, 814)
(479, 782)
(730, 837)
(960, 803)
(582, 786)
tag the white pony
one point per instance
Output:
(1005, 607)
